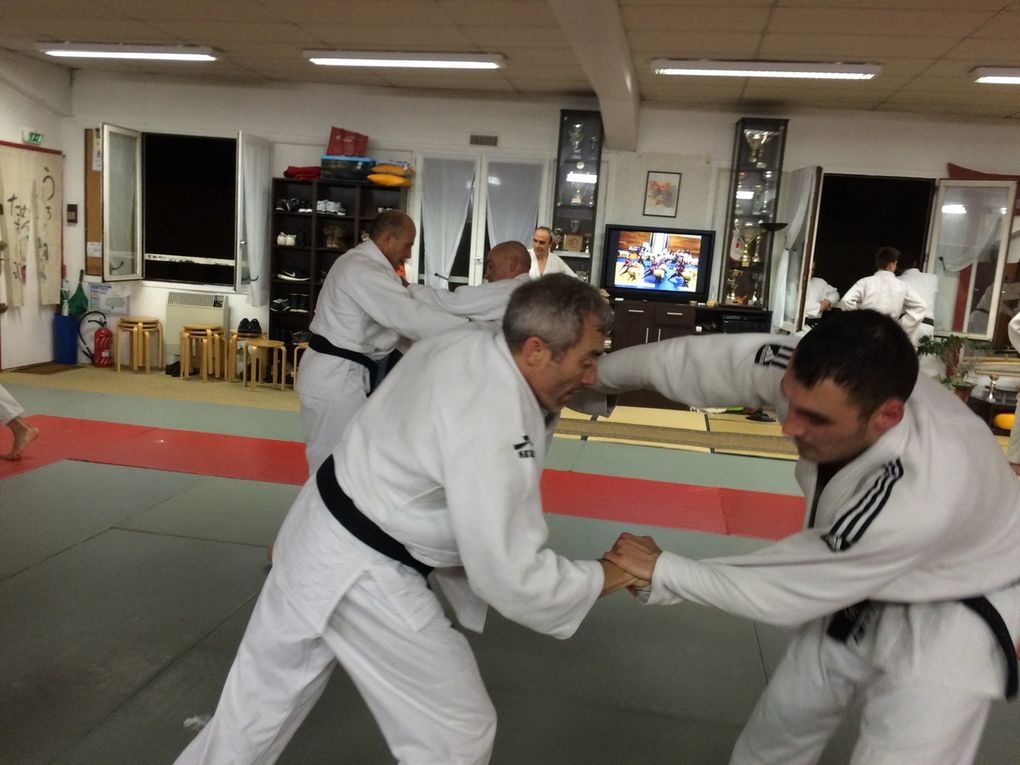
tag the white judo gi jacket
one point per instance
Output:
(554, 264)
(361, 307)
(480, 302)
(446, 457)
(818, 290)
(884, 293)
(929, 514)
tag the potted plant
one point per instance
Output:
(950, 350)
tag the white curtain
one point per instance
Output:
(252, 267)
(512, 210)
(446, 189)
(788, 263)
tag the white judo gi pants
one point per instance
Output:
(423, 687)
(904, 721)
(331, 390)
(9, 407)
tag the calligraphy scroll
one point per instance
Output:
(31, 192)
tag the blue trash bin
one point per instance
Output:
(65, 339)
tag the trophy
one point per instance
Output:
(748, 231)
(755, 300)
(576, 137)
(768, 227)
(575, 226)
(731, 283)
(756, 140)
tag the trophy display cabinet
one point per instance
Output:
(577, 189)
(754, 193)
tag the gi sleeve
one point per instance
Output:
(852, 299)
(492, 471)
(914, 309)
(809, 574)
(383, 298)
(707, 370)
(483, 302)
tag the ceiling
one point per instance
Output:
(568, 48)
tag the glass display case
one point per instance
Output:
(754, 191)
(577, 187)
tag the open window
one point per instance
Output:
(188, 209)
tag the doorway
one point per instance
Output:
(858, 214)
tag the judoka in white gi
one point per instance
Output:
(910, 508)
(884, 293)
(543, 260)
(445, 459)
(362, 311)
(10, 415)
(506, 269)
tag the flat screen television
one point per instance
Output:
(650, 263)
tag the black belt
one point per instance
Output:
(357, 523)
(322, 345)
(988, 613)
(928, 321)
(845, 624)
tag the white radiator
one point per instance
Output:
(192, 308)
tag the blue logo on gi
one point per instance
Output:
(525, 449)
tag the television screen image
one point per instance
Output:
(663, 263)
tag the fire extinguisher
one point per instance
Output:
(102, 356)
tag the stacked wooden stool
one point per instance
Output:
(205, 343)
(141, 330)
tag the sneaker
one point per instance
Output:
(281, 238)
(320, 206)
(340, 210)
(255, 328)
(289, 275)
(279, 304)
(244, 327)
(291, 240)
(281, 205)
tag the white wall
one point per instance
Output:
(297, 119)
(33, 96)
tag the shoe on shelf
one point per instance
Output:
(279, 304)
(292, 275)
(255, 328)
(304, 206)
(281, 238)
(244, 327)
(291, 240)
(281, 205)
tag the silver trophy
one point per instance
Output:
(756, 140)
(576, 137)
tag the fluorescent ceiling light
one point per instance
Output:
(133, 52)
(785, 69)
(996, 76)
(952, 209)
(405, 60)
(575, 177)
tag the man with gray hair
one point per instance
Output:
(421, 483)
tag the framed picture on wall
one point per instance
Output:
(662, 193)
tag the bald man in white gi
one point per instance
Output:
(543, 259)
(361, 313)
(506, 268)
(418, 482)
(902, 586)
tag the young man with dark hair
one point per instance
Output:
(884, 293)
(902, 585)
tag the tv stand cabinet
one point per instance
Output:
(637, 322)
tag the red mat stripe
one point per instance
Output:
(586, 495)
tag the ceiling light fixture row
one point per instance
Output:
(814, 70)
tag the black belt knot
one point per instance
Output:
(321, 345)
(357, 523)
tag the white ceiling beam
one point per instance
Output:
(594, 31)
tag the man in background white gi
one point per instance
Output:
(543, 260)
(441, 469)
(819, 297)
(362, 311)
(926, 287)
(884, 293)
(22, 432)
(506, 269)
(912, 527)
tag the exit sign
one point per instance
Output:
(32, 137)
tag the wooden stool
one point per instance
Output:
(208, 339)
(141, 329)
(256, 353)
(234, 346)
(293, 370)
